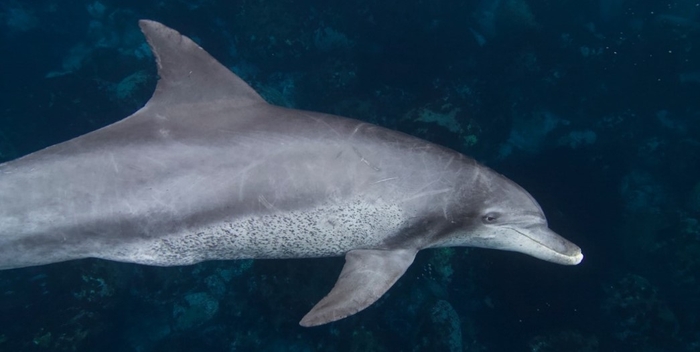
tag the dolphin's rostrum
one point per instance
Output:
(208, 170)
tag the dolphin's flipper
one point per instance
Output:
(366, 276)
(188, 74)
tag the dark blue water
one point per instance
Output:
(594, 107)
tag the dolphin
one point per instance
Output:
(207, 170)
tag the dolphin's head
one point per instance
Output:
(502, 215)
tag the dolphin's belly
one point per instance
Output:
(322, 231)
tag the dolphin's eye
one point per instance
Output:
(489, 218)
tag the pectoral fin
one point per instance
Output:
(366, 276)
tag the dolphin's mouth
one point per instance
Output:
(550, 246)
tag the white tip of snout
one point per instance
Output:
(572, 258)
(577, 258)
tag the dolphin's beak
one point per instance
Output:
(543, 243)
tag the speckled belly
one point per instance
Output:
(317, 232)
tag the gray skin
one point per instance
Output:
(208, 170)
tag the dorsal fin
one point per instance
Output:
(188, 74)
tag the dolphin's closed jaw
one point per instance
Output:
(543, 243)
(572, 257)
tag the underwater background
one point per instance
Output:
(592, 106)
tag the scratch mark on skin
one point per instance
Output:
(324, 123)
(426, 186)
(386, 179)
(452, 158)
(129, 207)
(161, 202)
(265, 203)
(365, 161)
(246, 169)
(355, 130)
(242, 177)
(426, 194)
(114, 162)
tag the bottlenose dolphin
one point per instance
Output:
(208, 170)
